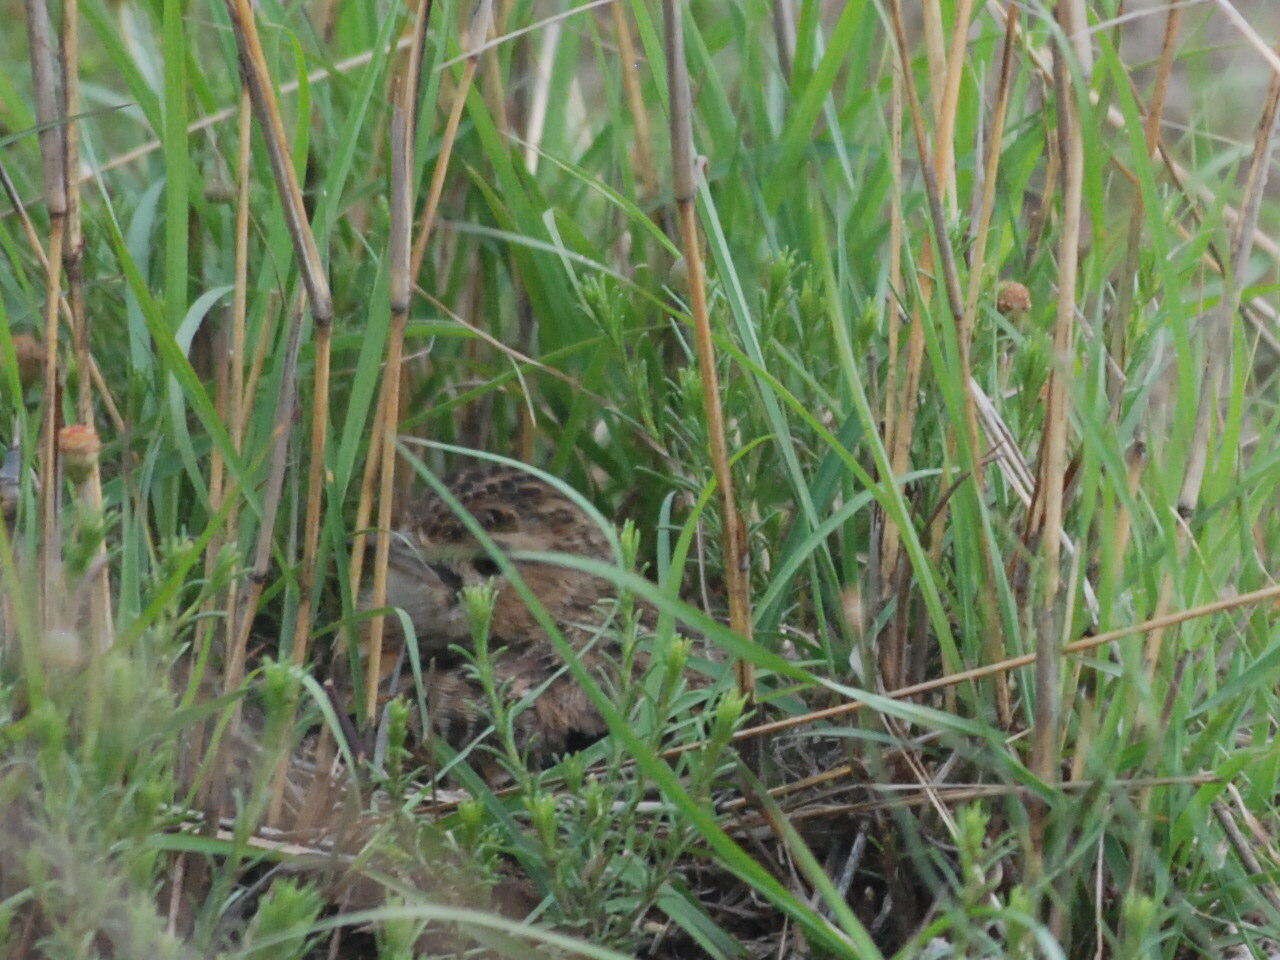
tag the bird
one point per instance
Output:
(433, 556)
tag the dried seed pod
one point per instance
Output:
(78, 445)
(1013, 298)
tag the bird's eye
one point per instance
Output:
(486, 567)
(447, 576)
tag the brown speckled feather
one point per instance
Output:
(518, 510)
(520, 513)
(437, 556)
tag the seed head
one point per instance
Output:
(78, 445)
(1013, 298)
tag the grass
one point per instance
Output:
(995, 360)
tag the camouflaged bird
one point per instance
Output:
(433, 556)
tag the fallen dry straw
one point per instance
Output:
(1013, 663)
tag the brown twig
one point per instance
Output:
(685, 192)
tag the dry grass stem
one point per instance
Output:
(231, 406)
(955, 794)
(401, 271)
(475, 49)
(1217, 346)
(1189, 185)
(977, 273)
(1246, 852)
(253, 68)
(1050, 484)
(1250, 35)
(1244, 600)
(1218, 329)
(944, 138)
(536, 119)
(46, 89)
(33, 241)
(942, 251)
(100, 617)
(1135, 461)
(935, 48)
(238, 407)
(895, 397)
(426, 226)
(49, 494)
(977, 264)
(685, 191)
(260, 89)
(481, 25)
(277, 461)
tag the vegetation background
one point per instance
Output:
(992, 302)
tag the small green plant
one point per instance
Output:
(282, 922)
